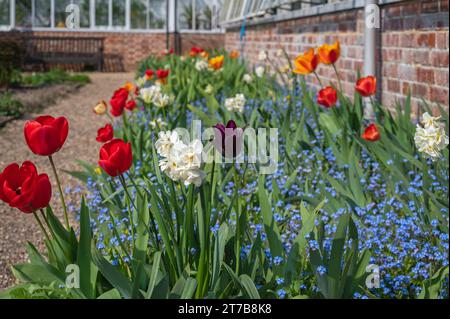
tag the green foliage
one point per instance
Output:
(9, 106)
(55, 76)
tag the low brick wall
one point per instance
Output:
(123, 51)
(413, 52)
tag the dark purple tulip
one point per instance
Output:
(228, 139)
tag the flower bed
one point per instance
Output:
(214, 181)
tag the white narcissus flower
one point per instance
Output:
(157, 123)
(259, 71)
(161, 100)
(431, 138)
(428, 120)
(147, 94)
(154, 95)
(201, 65)
(236, 104)
(262, 56)
(167, 143)
(209, 89)
(247, 78)
(179, 161)
(140, 81)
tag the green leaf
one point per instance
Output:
(433, 286)
(110, 294)
(154, 274)
(273, 234)
(189, 288)
(249, 287)
(88, 271)
(114, 277)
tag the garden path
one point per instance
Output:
(17, 228)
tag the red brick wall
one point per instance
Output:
(123, 51)
(413, 49)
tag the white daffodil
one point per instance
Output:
(262, 56)
(236, 104)
(201, 65)
(161, 100)
(157, 123)
(430, 138)
(167, 142)
(209, 89)
(428, 120)
(180, 162)
(147, 94)
(259, 71)
(247, 78)
(140, 81)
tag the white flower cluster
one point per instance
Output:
(236, 104)
(179, 161)
(430, 137)
(154, 95)
(201, 65)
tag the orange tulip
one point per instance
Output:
(204, 55)
(129, 86)
(216, 62)
(329, 54)
(367, 86)
(234, 54)
(306, 63)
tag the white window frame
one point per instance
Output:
(212, 30)
(12, 16)
(92, 27)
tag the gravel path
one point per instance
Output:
(17, 228)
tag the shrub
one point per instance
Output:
(10, 106)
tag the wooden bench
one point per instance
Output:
(47, 50)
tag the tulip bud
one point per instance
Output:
(100, 108)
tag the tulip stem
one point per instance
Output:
(338, 78)
(42, 227)
(66, 217)
(318, 79)
(130, 213)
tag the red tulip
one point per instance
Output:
(195, 51)
(105, 134)
(162, 74)
(327, 97)
(22, 187)
(46, 135)
(228, 139)
(116, 157)
(118, 101)
(367, 86)
(371, 133)
(131, 105)
(149, 74)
